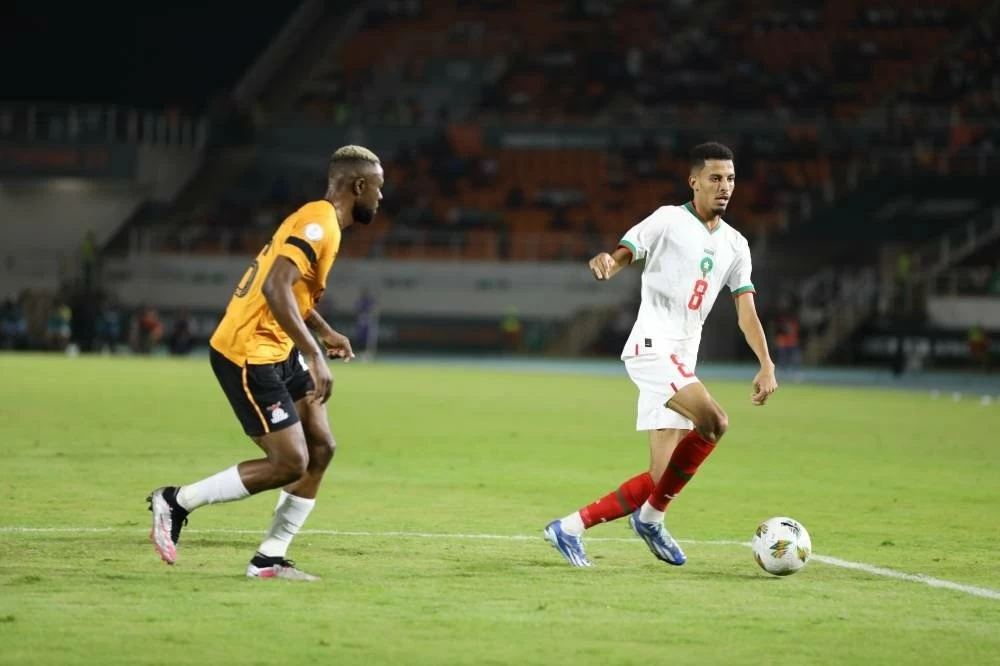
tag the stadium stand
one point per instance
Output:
(459, 69)
(507, 144)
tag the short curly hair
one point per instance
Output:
(709, 151)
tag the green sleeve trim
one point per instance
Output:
(631, 248)
(743, 290)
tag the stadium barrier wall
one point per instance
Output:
(547, 291)
(963, 312)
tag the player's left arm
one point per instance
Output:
(337, 345)
(764, 383)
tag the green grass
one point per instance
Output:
(889, 479)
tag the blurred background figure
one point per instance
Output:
(147, 329)
(788, 353)
(108, 328)
(513, 331)
(182, 336)
(979, 346)
(88, 261)
(365, 339)
(58, 329)
(13, 326)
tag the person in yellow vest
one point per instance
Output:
(512, 331)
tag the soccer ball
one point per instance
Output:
(781, 546)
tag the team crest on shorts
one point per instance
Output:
(277, 413)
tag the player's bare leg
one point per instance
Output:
(320, 444)
(710, 423)
(565, 534)
(662, 443)
(694, 402)
(296, 500)
(286, 462)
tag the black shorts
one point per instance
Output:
(263, 396)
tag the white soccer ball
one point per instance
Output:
(781, 546)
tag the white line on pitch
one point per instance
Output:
(833, 561)
(913, 578)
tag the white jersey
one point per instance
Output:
(686, 267)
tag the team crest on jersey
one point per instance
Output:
(707, 265)
(277, 413)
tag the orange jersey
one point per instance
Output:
(248, 332)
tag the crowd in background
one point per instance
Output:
(601, 63)
(598, 67)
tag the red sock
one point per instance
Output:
(689, 454)
(629, 497)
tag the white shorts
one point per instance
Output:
(658, 376)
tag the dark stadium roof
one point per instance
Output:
(141, 55)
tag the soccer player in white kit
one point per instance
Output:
(690, 254)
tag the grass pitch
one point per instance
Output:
(427, 455)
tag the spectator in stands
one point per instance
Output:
(108, 328)
(147, 330)
(788, 352)
(512, 330)
(898, 359)
(515, 197)
(644, 157)
(13, 326)
(979, 346)
(560, 221)
(365, 323)
(58, 330)
(182, 337)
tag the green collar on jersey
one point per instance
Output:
(690, 208)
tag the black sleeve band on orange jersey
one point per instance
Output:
(306, 248)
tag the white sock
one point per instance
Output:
(225, 486)
(289, 516)
(573, 524)
(648, 514)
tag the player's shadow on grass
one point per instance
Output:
(198, 542)
(713, 574)
(607, 563)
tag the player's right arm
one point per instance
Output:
(337, 344)
(277, 289)
(605, 265)
(634, 246)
